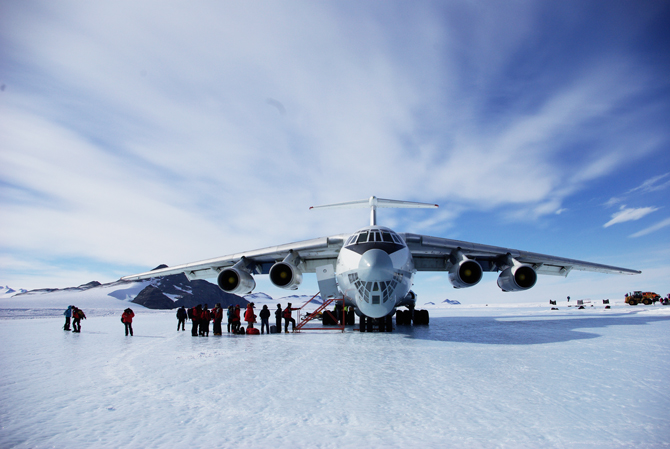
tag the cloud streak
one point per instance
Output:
(629, 214)
(653, 228)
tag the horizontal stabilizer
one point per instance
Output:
(375, 203)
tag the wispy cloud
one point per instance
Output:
(653, 228)
(629, 214)
(652, 185)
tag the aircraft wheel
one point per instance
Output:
(389, 323)
(421, 317)
(362, 324)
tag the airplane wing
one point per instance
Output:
(433, 254)
(313, 253)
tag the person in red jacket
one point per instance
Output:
(205, 318)
(250, 316)
(217, 316)
(236, 319)
(127, 319)
(77, 316)
(288, 318)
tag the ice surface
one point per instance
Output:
(517, 377)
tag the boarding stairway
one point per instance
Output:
(318, 313)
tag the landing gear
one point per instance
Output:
(367, 324)
(407, 317)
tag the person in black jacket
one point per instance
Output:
(265, 319)
(181, 316)
(278, 316)
(231, 318)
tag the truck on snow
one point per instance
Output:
(646, 298)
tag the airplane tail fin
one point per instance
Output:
(375, 203)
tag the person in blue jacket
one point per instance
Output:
(68, 315)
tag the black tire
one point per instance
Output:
(632, 302)
(421, 317)
(399, 318)
(389, 323)
(362, 324)
(646, 302)
(351, 318)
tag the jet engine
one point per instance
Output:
(286, 274)
(236, 279)
(464, 272)
(517, 278)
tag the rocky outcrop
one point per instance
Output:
(180, 291)
(153, 298)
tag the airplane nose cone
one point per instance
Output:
(375, 265)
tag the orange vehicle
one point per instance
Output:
(646, 298)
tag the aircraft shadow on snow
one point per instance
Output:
(519, 330)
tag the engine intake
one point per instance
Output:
(465, 273)
(236, 279)
(285, 275)
(517, 278)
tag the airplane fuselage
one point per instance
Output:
(375, 271)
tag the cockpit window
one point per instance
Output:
(362, 237)
(373, 236)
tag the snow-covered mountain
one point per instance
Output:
(161, 293)
(8, 292)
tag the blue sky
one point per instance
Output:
(140, 133)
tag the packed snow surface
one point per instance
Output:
(480, 377)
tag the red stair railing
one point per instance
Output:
(320, 309)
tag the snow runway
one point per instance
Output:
(485, 378)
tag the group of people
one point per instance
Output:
(77, 315)
(201, 316)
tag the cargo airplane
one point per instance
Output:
(373, 268)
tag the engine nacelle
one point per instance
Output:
(465, 273)
(285, 275)
(517, 278)
(236, 280)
